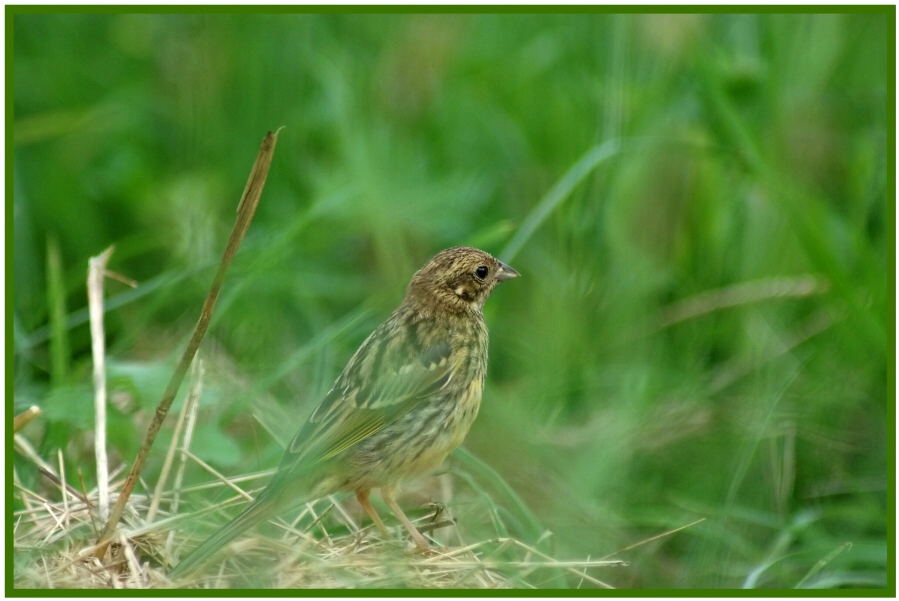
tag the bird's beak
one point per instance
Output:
(505, 273)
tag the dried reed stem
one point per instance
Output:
(95, 271)
(245, 211)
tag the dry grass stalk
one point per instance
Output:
(95, 272)
(192, 404)
(24, 418)
(245, 211)
(179, 425)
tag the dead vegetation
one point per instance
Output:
(54, 545)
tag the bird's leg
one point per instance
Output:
(362, 497)
(389, 495)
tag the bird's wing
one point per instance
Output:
(393, 371)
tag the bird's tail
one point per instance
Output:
(258, 510)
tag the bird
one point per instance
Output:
(404, 401)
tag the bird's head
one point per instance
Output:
(457, 279)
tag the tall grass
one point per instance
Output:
(748, 156)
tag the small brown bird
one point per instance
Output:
(403, 402)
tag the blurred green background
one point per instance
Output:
(702, 326)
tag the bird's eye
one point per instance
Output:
(481, 272)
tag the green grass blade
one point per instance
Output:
(552, 199)
(56, 303)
